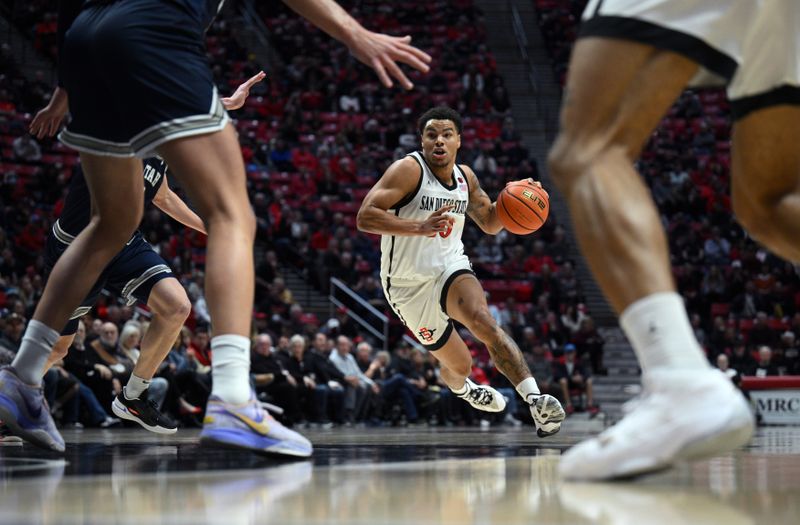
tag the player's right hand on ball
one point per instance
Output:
(437, 222)
(529, 179)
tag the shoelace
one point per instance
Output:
(481, 396)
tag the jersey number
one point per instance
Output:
(447, 232)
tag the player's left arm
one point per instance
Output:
(481, 209)
(168, 201)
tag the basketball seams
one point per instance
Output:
(526, 205)
(501, 201)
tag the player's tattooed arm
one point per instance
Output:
(481, 208)
(397, 184)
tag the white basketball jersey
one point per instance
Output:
(407, 259)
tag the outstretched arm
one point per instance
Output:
(378, 51)
(168, 201)
(239, 96)
(399, 181)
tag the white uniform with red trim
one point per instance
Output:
(416, 270)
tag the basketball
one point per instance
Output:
(523, 207)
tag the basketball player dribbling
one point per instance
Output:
(631, 61)
(419, 207)
(139, 82)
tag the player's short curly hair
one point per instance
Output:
(439, 113)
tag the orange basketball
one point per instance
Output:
(523, 207)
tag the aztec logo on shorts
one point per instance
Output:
(426, 335)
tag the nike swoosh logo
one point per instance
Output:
(261, 427)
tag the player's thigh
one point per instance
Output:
(211, 169)
(112, 181)
(765, 155)
(465, 301)
(616, 93)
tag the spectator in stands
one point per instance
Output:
(26, 149)
(716, 248)
(326, 380)
(572, 319)
(357, 385)
(791, 353)
(724, 367)
(271, 379)
(749, 302)
(573, 377)
(589, 344)
(11, 336)
(741, 359)
(528, 341)
(485, 165)
(85, 399)
(761, 333)
(199, 351)
(85, 362)
(765, 367)
(537, 259)
(395, 388)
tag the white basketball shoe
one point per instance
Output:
(547, 414)
(681, 415)
(483, 397)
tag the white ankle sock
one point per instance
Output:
(136, 385)
(662, 337)
(528, 387)
(37, 343)
(230, 368)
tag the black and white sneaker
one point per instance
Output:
(145, 412)
(483, 397)
(548, 414)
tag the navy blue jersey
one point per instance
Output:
(78, 206)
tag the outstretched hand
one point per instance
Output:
(382, 52)
(48, 119)
(239, 96)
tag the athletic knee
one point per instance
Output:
(566, 161)
(572, 158)
(241, 218)
(174, 305)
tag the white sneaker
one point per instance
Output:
(547, 414)
(681, 415)
(483, 397)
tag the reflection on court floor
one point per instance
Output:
(391, 476)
